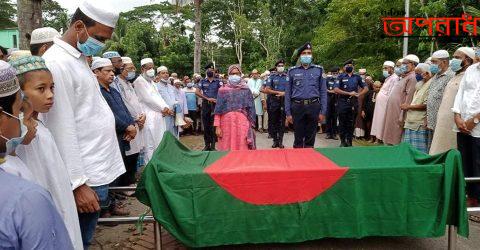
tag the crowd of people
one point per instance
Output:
(73, 124)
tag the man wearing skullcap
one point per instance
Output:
(41, 39)
(167, 92)
(444, 138)
(349, 86)
(153, 105)
(255, 85)
(81, 121)
(378, 123)
(466, 109)
(207, 91)
(305, 98)
(331, 127)
(402, 93)
(442, 75)
(416, 133)
(116, 60)
(42, 156)
(275, 87)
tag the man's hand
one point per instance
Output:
(86, 199)
(405, 106)
(212, 100)
(321, 118)
(141, 121)
(461, 124)
(289, 120)
(470, 124)
(218, 132)
(165, 111)
(130, 133)
(363, 114)
(280, 94)
(264, 105)
(354, 94)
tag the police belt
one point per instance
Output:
(306, 101)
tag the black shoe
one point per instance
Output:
(275, 145)
(329, 137)
(335, 137)
(281, 146)
(206, 148)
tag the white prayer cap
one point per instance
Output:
(467, 51)
(440, 54)
(424, 67)
(389, 64)
(145, 61)
(429, 60)
(8, 83)
(104, 15)
(362, 71)
(95, 58)
(161, 69)
(111, 54)
(127, 59)
(43, 35)
(100, 63)
(412, 58)
(19, 53)
(400, 61)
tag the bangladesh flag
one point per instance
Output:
(294, 195)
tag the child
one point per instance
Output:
(42, 156)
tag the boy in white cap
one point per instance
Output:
(402, 92)
(442, 75)
(444, 137)
(41, 39)
(153, 105)
(80, 120)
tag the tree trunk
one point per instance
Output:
(29, 13)
(198, 37)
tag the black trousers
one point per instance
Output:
(207, 120)
(305, 123)
(469, 148)
(332, 128)
(347, 112)
(128, 178)
(276, 117)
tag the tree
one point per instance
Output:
(29, 13)
(54, 15)
(7, 12)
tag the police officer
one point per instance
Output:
(348, 87)
(305, 98)
(208, 90)
(331, 127)
(275, 88)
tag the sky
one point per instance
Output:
(118, 5)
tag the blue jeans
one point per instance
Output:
(88, 221)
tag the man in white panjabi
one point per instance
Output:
(154, 106)
(81, 121)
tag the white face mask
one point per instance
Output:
(280, 69)
(150, 73)
(13, 143)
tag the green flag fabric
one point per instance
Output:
(202, 198)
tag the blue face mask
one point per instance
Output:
(306, 59)
(131, 75)
(90, 47)
(398, 71)
(477, 52)
(419, 77)
(434, 68)
(403, 69)
(385, 74)
(190, 85)
(234, 79)
(13, 143)
(456, 64)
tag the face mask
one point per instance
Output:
(90, 47)
(477, 52)
(131, 75)
(13, 143)
(398, 71)
(150, 73)
(280, 69)
(456, 64)
(403, 68)
(386, 74)
(234, 79)
(419, 77)
(434, 68)
(306, 59)
(210, 74)
(349, 69)
(190, 85)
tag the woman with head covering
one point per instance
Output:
(235, 113)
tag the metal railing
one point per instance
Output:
(452, 230)
(157, 229)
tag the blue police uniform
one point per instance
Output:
(331, 127)
(276, 107)
(305, 100)
(210, 90)
(347, 106)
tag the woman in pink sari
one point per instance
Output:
(235, 113)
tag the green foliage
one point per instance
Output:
(54, 15)
(7, 12)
